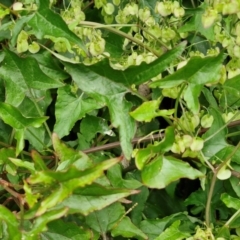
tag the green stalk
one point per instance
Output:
(214, 179)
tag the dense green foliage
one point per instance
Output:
(119, 119)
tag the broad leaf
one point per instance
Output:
(70, 104)
(60, 229)
(103, 89)
(15, 119)
(230, 201)
(165, 169)
(46, 22)
(105, 219)
(27, 74)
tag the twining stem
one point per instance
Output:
(144, 139)
(213, 182)
(177, 100)
(209, 199)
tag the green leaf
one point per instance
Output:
(138, 74)
(195, 24)
(19, 136)
(114, 175)
(92, 125)
(11, 222)
(197, 72)
(39, 164)
(217, 142)
(5, 153)
(104, 89)
(143, 155)
(70, 180)
(165, 169)
(231, 90)
(70, 104)
(230, 201)
(66, 231)
(141, 200)
(105, 219)
(94, 197)
(41, 222)
(15, 119)
(153, 227)
(46, 22)
(149, 110)
(127, 229)
(18, 26)
(69, 157)
(24, 164)
(27, 74)
(50, 66)
(173, 232)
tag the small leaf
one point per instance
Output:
(15, 119)
(24, 164)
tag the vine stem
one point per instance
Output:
(145, 139)
(214, 179)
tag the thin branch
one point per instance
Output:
(145, 139)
